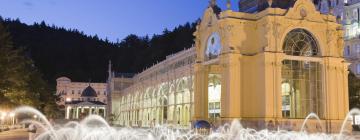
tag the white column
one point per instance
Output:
(96, 110)
(67, 112)
(90, 110)
(77, 112)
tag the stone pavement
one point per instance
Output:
(19, 134)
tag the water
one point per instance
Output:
(96, 128)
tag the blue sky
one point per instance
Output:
(108, 18)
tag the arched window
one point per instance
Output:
(301, 77)
(300, 42)
(214, 96)
(213, 47)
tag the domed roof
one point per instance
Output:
(202, 124)
(63, 79)
(89, 92)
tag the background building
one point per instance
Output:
(352, 34)
(81, 99)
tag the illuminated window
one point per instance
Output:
(301, 80)
(68, 99)
(214, 95)
(300, 43)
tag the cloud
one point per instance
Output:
(28, 3)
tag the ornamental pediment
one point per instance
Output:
(209, 19)
(304, 9)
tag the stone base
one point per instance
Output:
(311, 126)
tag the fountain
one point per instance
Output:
(96, 128)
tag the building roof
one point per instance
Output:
(85, 103)
(124, 75)
(63, 79)
(202, 124)
(89, 92)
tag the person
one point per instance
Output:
(51, 121)
(271, 125)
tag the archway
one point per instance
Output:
(164, 110)
(186, 116)
(214, 96)
(301, 75)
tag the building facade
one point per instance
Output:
(162, 94)
(80, 99)
(352, 34)
(269, 68)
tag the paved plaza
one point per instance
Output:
(20, 134)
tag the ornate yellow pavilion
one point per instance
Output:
(275, 66)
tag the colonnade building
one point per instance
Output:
(161, 94)
(268, 68)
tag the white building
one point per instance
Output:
(80, 99)
(352, 34)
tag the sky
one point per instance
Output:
(112, 19)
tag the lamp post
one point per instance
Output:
(2, 117)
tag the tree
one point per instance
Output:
(12, 75)
(20, 82)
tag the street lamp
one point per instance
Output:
(2, 118)
(3, 114)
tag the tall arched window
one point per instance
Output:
(301, 76)
(214, 96)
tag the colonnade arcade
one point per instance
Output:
(165, 103)
(82, 110)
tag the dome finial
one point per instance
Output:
(212, 3)
(228, 4)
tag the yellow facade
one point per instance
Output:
(253, 65)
